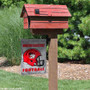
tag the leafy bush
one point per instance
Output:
(85, 25)
(85, 28)
(71, 47)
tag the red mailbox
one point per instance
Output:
(45, 19)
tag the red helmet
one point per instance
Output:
(30, 56)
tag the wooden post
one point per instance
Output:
(53, 80)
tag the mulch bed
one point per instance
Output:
(65, 71)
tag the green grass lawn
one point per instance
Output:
(11, 80)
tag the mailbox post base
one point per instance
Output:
(53, 80)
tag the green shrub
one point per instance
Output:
(85, 28)
(71, 47)
(12, 3)
(85, 25)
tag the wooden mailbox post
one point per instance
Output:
(47, 20)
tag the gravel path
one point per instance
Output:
(65, 71)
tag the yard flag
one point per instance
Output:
(33, 60)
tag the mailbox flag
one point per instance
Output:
(33, 56)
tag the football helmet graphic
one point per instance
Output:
(32, 57)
